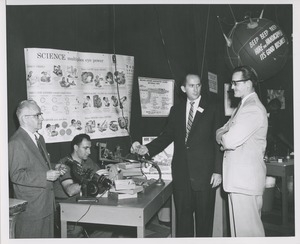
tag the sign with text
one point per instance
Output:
(156, 96)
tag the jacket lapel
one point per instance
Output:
(32, 147)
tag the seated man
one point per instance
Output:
(77, 164)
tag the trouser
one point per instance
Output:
(245, 215)
(190, 203)
(40, 228)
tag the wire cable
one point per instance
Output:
(164, 48)
(204, 46)
(116, 73)
(84, 214)
(232, 14)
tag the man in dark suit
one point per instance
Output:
(31, 174)
(196, 165)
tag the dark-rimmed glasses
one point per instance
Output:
(233, 82)
(38, 115)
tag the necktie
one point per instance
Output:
(190, 120)
(42, 150)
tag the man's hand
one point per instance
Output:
(216, 180)
(62, 168)
(138, 148)
(220, 132)
(52, 175)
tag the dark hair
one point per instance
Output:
(78, 139)
(248, 73)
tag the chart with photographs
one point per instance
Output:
(80, 92)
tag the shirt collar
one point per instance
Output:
(197, 101)
(31, 135)
(246, 97)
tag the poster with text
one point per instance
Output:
(156, 95)
(80, 92)
(213, 82)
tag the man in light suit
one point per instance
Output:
(243, 139)
(196, 164)
(31, 174)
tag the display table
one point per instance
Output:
(282, 170)
(126, 212)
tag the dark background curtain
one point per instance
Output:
(167, 41)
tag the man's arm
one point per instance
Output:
(21, 170)
(247, 123)
(70, 187)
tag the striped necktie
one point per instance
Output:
(190, 121)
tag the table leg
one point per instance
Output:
(12, 226)
(140, 231)
(173, 220)
(284, 199)
(63, 228)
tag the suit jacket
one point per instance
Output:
(244, 169)
(196, 160)
(27, 169)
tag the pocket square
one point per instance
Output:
(200, 109)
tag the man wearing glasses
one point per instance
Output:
(243, 140)
(31, 174)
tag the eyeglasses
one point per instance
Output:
(233, 82)
(38, 115)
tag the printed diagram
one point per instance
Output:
(109, 78)
(87, 102)
(106, 101)
(102, 126)
(31, 80)
(123, 122)
(64, 82)
(89, 126)
(113, 126)
(76, 124)
(120, 77)
(98, 81)
(45, 76)
(115, 101)
(51, 129)
(87, 77)
(97, 101)
(57, 70)
(72, 72)
(145, 97)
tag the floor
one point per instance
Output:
(272, 219)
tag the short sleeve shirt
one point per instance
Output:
(58, 188)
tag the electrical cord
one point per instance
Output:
(89, 208)
(165, 51)
(114, 58)
(205, 39)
